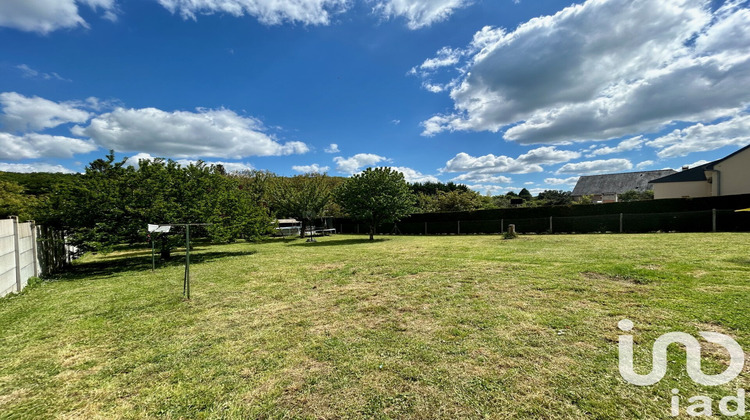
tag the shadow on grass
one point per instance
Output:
(335, 242)
(138, 261)
(739, 261)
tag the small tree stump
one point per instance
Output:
(511, 230)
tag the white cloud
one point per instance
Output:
(183, 134)
(602, 70)
(489, 164)
(33, 167)
(624, 146)
(528, 162)
(21, 113)
(596, 167)
(645, 164)
(412, 176)
(30, 73)
(419, 13)
(482, 178)
(33, 145)
(268, 12)
(561, 181)
(703, 138)
(314, 168)
(332, 148)
(548, 155)
(352, 165)
(44, 16)
(490, 189)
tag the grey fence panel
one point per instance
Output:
(7, 258)
(24, 255)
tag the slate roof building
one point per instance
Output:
(726, 176)
(606, 188)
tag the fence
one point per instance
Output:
(18, 255)
(26, 251)
(712, 220)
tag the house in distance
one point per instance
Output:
(727, 176)
(606, 188)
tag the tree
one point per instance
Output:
(302, 196)
(376, 196)
(634, 195)
(15, 202)
(113, 202)
(525, 194)
(555, 198)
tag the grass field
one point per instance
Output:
(417, 327)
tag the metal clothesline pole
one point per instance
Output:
(186, 280)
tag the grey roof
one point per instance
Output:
(617, 183)
(695, 174)
(688, 175)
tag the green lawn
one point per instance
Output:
(417, 327)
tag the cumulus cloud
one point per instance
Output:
(602, 70)
(482, 178)
(561, 181)
(703, 138)
(645, 164)
(528, 162)
(268, 12)
(352, 165)
(419, 13)
(412, 176)
(183, 134)
(33, 145)
(314, 168)
(24, 114)
(596, 167)
(33, 167)
(44, 16)
(624, 146)
(463, 162)
(332, 148)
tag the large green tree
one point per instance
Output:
(376, 196)
(113, 202)
(304, 197)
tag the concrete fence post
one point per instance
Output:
(34, 250)
(459, 228)
(620, 222)
(16, 253)
(502, 225)
(713, 220)
(425, 228)
(550, 224)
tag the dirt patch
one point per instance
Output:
(592, 275)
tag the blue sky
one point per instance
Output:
(497, 94)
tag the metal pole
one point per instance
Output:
(34, 248)
(187, 259)
(713, 218)
(153, 254)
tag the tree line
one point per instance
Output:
(113, 200)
